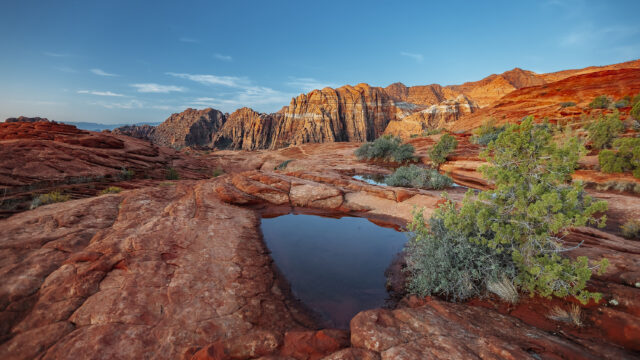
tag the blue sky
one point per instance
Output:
(139, 61)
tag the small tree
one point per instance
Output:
(600, 102)
(487, 132)
(604, 130)
(635, 111)
(533, 205)
(626, 158)
(386, 147)
(442, 149)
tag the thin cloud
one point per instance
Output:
(157, 88)
(227, 58)
(597, 36)
(189, 40)
(308, 84)
(230, 81)
(127, 105)
(416, 57)
(101, 72)
(99, 93)
(56, 54)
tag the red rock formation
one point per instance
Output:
(247, 130)
(433, 117)
(38, 157)
(26, 119)
(349, 113)
(189, 128)
(144, 132)
(544, 100)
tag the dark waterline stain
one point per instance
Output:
(335, 266)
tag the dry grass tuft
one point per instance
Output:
(571, 316)
(505, 289)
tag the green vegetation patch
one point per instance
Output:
(600, 102)
(49, 198)
(386, 147)
(515, 230)
(416, 177)
(625, 158)
(487, 132)
(439, 152)
(111, 190)
(172, 174)
(603, 130)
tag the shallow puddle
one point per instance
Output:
(335, 266)
(371, 179)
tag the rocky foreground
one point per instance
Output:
(178, 269)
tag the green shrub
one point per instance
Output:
(386, 147)
(620, 186)
(172, 174)
(430, 132)
(439, 152)
(604, 130)
(126, 174)
(49, 198)
(524, 219)
(486, 133)
(282, 165)
(567, 104)
(621, 103)
(626, 158)
(443, 262)
(417, 177)
(111, 190)
(600, 102)
(631, 229)
(635, 111)
(217, 172)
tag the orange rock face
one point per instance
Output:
(545, 100)
(189, 128)
(39, 157)
(247, 130)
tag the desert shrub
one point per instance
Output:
(567, 104)
(217, 172)
(417, 177)
(111, 190)
(282, 165)
(439, 152)
(620, 186)
(49, 198)
(635, 111)
(603, 130)
(626, 158)
(631, 229)
(172, 174)
(600, 102)
(621, 103)
(444, 262)
(486, 133)
(430, 132)
(386, 147)
(523, 220)
(126, 174)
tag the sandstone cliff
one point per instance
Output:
(144, 132)
(189, 128)
(434, 117)
(247, 130)
(363, 112)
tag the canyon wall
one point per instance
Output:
(363, 112)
